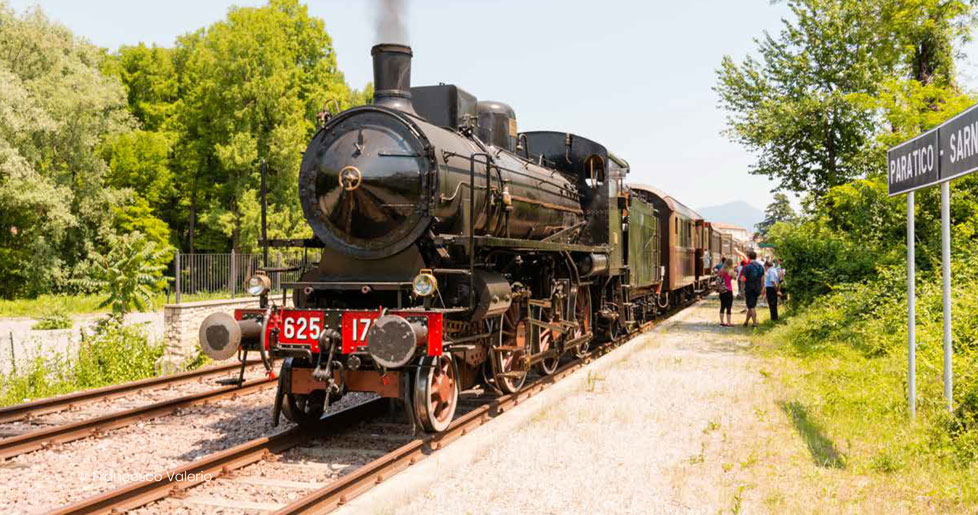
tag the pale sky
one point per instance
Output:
(636, 76)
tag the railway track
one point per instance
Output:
(39, 407)
(33, 440)
(226, 479)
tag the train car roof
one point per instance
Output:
(619, 161)
(671, 202)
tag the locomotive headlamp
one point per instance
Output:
(424, 284)
(258, 285)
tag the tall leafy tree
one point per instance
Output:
(251, 87)
(56, 110)
(151, 80)
(812, 103)
(851, 227)
(794, 106)
(141, 161)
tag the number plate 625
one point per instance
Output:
(301, 327)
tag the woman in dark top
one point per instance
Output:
(726, 291)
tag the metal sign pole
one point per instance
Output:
(936, 156)
(946, 271)
(911, 314)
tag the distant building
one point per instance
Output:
(738, 233)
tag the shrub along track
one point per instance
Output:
(229, 479)
(35, 439)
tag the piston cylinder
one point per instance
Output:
(494, 294)
(592, 264)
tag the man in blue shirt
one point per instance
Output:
(753, 282)
(772, 279)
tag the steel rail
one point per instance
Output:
(338, 493)
(341, 491)
(34, 440)
(176, 481)
(72, 400)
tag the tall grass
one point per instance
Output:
(112, 354)
(82, 304)
(845, 370)
(34, 308)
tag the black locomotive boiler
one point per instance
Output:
(454, 250)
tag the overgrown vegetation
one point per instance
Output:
(85, 303)
(54, 318)
(842, 82)
(846, 357)
(96, 144)
(111, 354)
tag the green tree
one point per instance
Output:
(779, 210)
(140, 160)
(251, 87)
(56, 109)
(809, 106)
(151, 80)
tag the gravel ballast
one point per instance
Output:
(40, 481)
(662, 431)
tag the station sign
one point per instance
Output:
(941, 154)
(913, 164)
(959, 144)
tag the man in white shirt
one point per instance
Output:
(771, 281)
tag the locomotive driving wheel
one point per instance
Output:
(436, 392)
(509, 371)
(544, 340)
(582, 314)
(305, 409)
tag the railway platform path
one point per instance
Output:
(686, 418)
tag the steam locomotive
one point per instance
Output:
(458, 250)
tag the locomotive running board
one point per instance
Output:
(519, 244)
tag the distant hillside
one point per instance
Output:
(737, 213)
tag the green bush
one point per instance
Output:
(55, 318)
(115, 353)
(111, 354)
(130, 274)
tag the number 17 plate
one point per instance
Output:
(355, 327)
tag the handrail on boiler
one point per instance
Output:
(472, 158)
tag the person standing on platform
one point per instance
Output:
(772, 279)
(740, 280)
(726, 291)
(766, 265)
(753, 283)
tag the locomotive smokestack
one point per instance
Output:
(392, 76)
